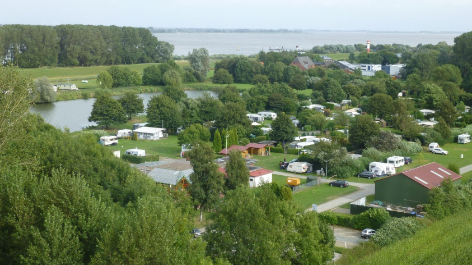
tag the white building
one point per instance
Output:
(315, 106)
(370, 69)
(426, 111)
(352, 112)
(268, 114)
(255, 117)
(150, 133)
(65, 86)
(266, 130)
(257, 177)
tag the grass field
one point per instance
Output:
(321, 194)
(338, 56)
(272, 162)
(164, 148)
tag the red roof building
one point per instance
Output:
(411, 187)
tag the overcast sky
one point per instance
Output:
(378, 15)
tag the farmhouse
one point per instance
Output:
(303, 63)
(66, 86)
(410, 188)
(150, 133)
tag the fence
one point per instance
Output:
(311, 182)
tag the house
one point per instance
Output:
(411, 187)
(256, 149)
(427, 112)
(303, 63)
(327, 60)
(268, 114)
(255, 117)
(315, 106)
(66, 86)
(150, 133)
(259, 176)
(242, 149)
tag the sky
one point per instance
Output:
(374, 15)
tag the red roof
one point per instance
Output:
(223, 152)
(237, 147)
(429, 176)
(255, 145)
(222, 170)
(260, 172)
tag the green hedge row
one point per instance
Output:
(373, 218)
(139, 159)
(281, 150)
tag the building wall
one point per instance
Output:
(401, 190)
(257, 181)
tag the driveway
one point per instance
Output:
(347, 237)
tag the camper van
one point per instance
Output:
(124, 133)
(299, 167)
(135, 152)
(109, 140)
(463, 138)
(432, 146)
(396, 161)
(388, 168)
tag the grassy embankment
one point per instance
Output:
(446, 241)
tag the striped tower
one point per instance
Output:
(368, 46)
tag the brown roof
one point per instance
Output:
(233, 147)
(260, 172)
(254, 145)
(429, 176)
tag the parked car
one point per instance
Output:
(283, 165)
(408, 160)
(339, 183)
(439, 151)
(367, 233)
(196, 232)
(366, 174)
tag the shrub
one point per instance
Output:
(336, 218)
(258, 139)
(454, 168)
(373, 218)
(139, 159)
(409, 148)
(396, 229)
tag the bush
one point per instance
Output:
(139, 159)
(396, 229)
(336, 218)
(258, 139)
(373, 218)
(454, 168)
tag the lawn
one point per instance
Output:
(321, 194)
(282, 180)
(305, 92)
(338, 56)
(272, 162)
(466, 177)
(164, 148)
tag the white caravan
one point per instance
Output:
(463, 138)
(135, 152)
(298, 167)
(432, 146)
(109, 140)
(396, 161)
(124, 133)
(388, 168)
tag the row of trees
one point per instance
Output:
(30, 46)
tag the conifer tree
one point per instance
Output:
(217, 141)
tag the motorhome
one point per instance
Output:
(432, 146)
(135, 152)
(299, 167)
(463, 138)
(388, 168)
(109, 140)
(396, 161)
(124, 133)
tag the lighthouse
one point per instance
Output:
(368, 46)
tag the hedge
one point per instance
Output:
(139, 159)
(373, 218)
(281, 150)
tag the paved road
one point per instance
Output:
(465, 169)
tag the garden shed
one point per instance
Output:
(411, 187)
(256, 149)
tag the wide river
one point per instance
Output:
(252, 43)
(73, 114)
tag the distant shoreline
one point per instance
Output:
(288, 31)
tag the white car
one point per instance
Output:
(439, 151)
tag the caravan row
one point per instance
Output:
(381, 169)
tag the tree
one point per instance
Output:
(423, 63)
(283, 129)
(135, 79)
(194, 134)
(385, 141)
(222, 76)
(352, 90)
(132, 104)
(443, 129)
(164, 51)
(380, 105)
(44, 91)
(333, 92)
(362, 130)
(172, 79)
(232, 114)
(209, 107)
(14, 104)
(266, 230)
(200, 62)
(236, 171)
(105, 80)
(176, 93)
(275, 72)
(448, 112)
(447, 73)
(393, 88)
(207, 181)
(432, 95)
(217, 144)
(163, 110)
(388, 57)
(121, 76)
(298, 82)
(152, 76)
(107, 111)
(244, 71)
(260, 79)
(341, 118)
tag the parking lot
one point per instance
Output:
(347, 237)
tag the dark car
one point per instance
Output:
(283, 165)
(339, 183)
(366, 174)
(408, 160)
(196, 232)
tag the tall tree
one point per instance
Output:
(44, 91)
(283, 129)
(207, 181)
(200, 62)
(232, 114)
(107, 111)
(164, 51)
(236, 171)
(132, 104)
(361, 130)
(193, 134)
(152, 76)
(222, 76)
(162, 110)
(380, 105)
(105, 80)
(210, 107)
(217, 144)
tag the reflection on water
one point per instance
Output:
(73, 114)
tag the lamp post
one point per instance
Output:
(226, 145)
(326, 173)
